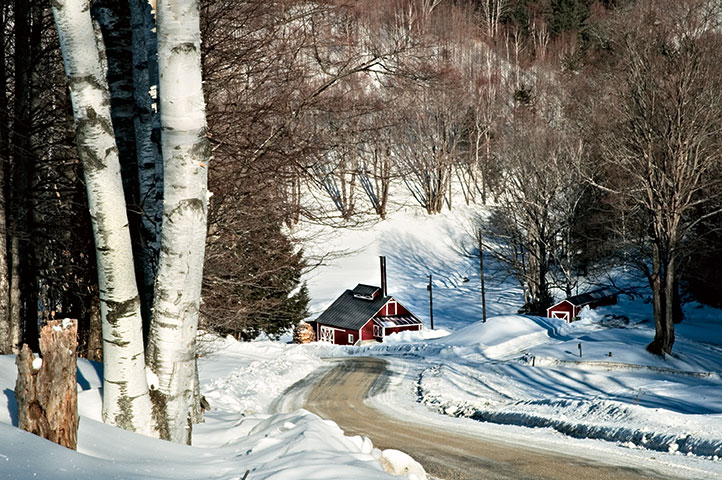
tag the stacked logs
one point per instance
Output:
(303, 333)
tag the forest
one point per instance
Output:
(590, 129)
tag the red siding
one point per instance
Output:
(367, 331)
(340, 335)
(563, 307)
(389, 309)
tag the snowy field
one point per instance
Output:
(514, 373)
(518, 379)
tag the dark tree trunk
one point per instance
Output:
(663, 283)
(47, 396)
(114, 17)
(677, 312)
(23, 266)
(95, 330)
(147, 143)
(8, 344)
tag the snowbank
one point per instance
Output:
(242, 378)
(611, 389)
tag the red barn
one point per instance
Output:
(570, 308)
(361, 314)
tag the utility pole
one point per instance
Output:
(481, 271)
(431, 302)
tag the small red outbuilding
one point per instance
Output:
(361, 314)
(570, 308)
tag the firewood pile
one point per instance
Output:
(303, 333)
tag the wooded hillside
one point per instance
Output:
(591, 129)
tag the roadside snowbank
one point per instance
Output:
(237, 379)
(614, 391)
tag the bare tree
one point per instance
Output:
(428, 145)
(539, 205)
(376, 171)
(664, 152)
(487, 87)
(492, 12)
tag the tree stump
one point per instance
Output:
(46, 392)
(303, 333)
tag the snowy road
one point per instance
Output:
(339, 394)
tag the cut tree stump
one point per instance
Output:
(46, 392)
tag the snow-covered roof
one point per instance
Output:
(365, 292)
(396, 321)
(354, 308)
(351, 311)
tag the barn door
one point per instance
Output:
(561, 315)
(327, 334)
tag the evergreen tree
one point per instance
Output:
(568, 16)
(253, 276)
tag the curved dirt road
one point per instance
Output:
(339, 395)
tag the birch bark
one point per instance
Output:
(186, 152)
(126, 402)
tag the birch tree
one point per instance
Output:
(186, 153)
(126, 402)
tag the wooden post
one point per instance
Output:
(431, 302)
(481, 271)
(46, 392)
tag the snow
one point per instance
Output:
(514, 372)
(398, 463)
(239, 380)
(37, 363)
(512, 378)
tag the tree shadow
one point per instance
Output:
(12, 406)
(83, 382)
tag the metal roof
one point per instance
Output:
(365, 291)
(593, 296)
(351, 312)
(397, 321)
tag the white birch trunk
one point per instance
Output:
(171, 349)
(126, 402)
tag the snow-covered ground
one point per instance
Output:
(526, 372)
(519, 379)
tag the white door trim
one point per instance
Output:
(327, 334)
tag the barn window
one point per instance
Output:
(377, 331)
(350, 338)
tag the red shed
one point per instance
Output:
(570, 308)
(361, 314)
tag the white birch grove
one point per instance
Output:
(126, 402)
(186, 152)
